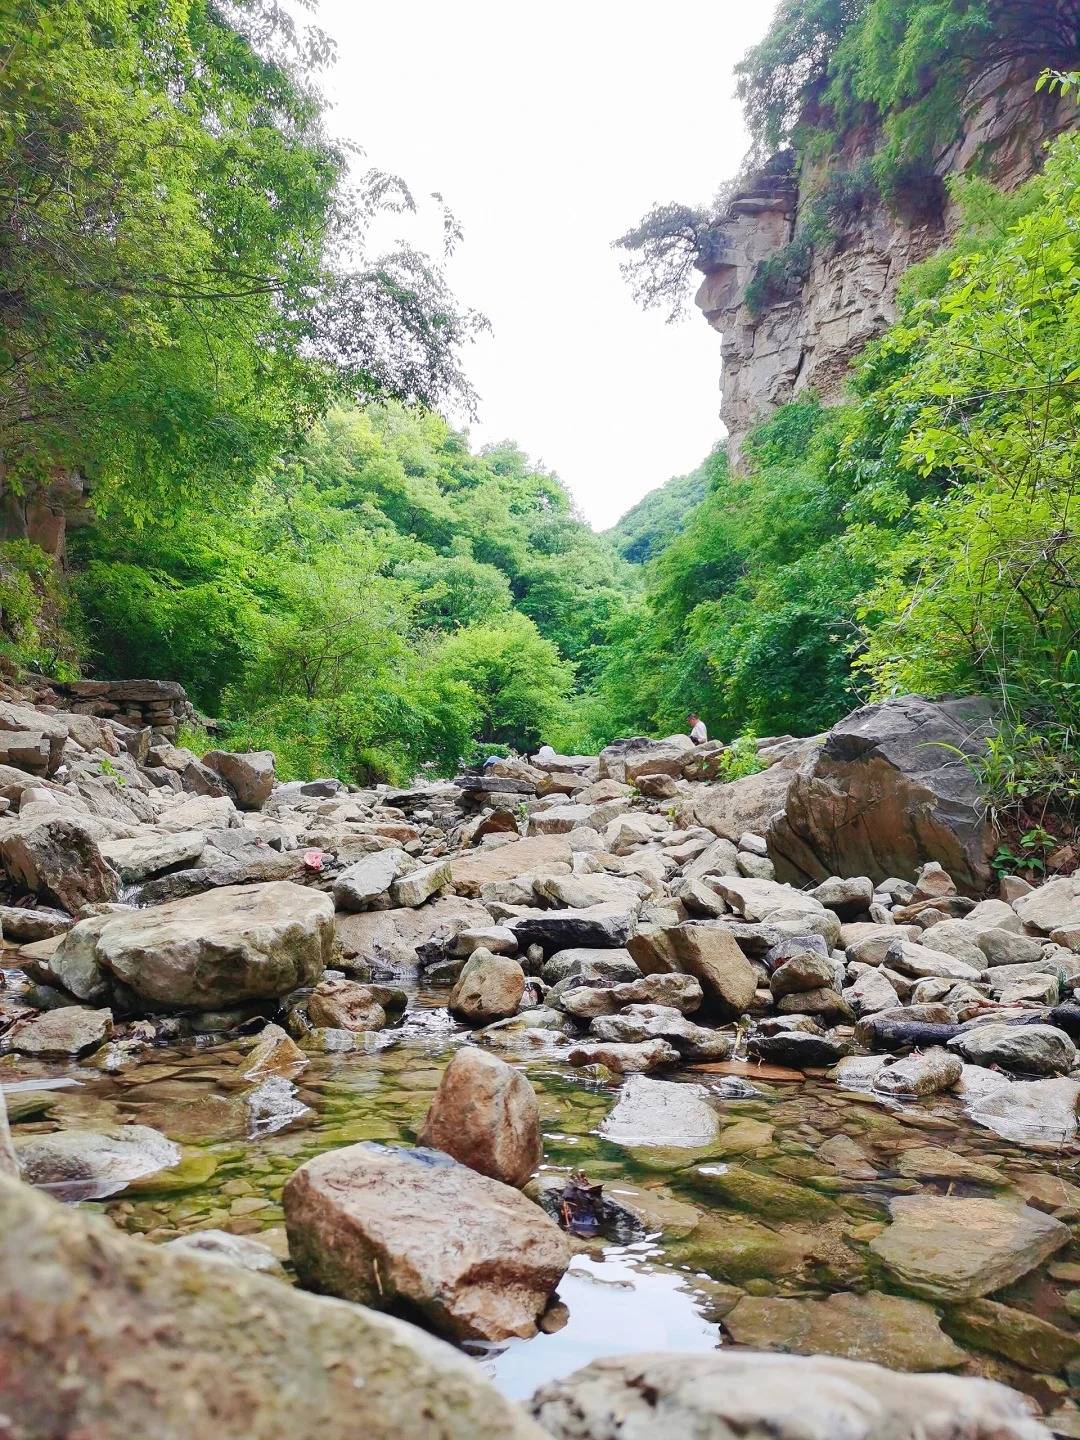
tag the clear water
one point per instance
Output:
(669, 1288)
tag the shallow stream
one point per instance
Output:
(827, 1161)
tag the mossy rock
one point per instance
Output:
(1019, 1336)
(764, 1195)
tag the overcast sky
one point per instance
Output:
(550, 130)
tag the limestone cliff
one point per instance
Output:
(844, 293)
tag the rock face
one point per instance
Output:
(485, 1114)
(950, 1248)
(805, 338)
(775, 1397)
(884, 793)
(414, 1229)
(242, 942)
(163, 1346)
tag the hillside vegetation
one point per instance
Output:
(281, 520)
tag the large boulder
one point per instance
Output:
(163, 1346)
(485, 1114)
(249, 776)
(246, 942)
(1028, 1049)
(722, 1395)
(473, 870)
(341, 1004)
(361, 885)
(58, 859)
(390, 1227)
(887, 791)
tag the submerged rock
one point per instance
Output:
(884, 1329)
(775, 1397)
(163, 1346)
(922, 1074)
(485, 1114)
(661, 1113)
(220, 1248)
(393, 1227)
(949, 1248)
(61, 1034)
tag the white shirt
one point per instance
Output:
(699, 734)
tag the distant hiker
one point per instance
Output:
(698, 733)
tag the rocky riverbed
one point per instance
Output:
(831, 1110)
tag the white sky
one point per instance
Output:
(550, 129)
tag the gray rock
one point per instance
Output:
(413, 889)
(870, 993)
(756, 867)
(927, 1073)
(638, 1023)
(90, 1164)
(801, 972)
(847, 898)
(370, 878)
(1053, 906)
(586, 966)
(249, 776)
(1003, 947)
(958, 939)
(725, 1394)
(1028, 1049)
(1040, 1114)
(148, 853)
(919, 961)
(21, 925)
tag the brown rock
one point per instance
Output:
(345, 1005)
(473, 870)
(59, 860)
(489, 988)
(412, 1228)
(485, 1115)
(154, 1345)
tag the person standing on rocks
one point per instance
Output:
(698, 733)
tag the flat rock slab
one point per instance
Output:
(163, 1346)
(61, 1034)
(391, 938)
(412, 1228)
(775, 1397)
(884, 1329)
(470, 872)
(950, 1248)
